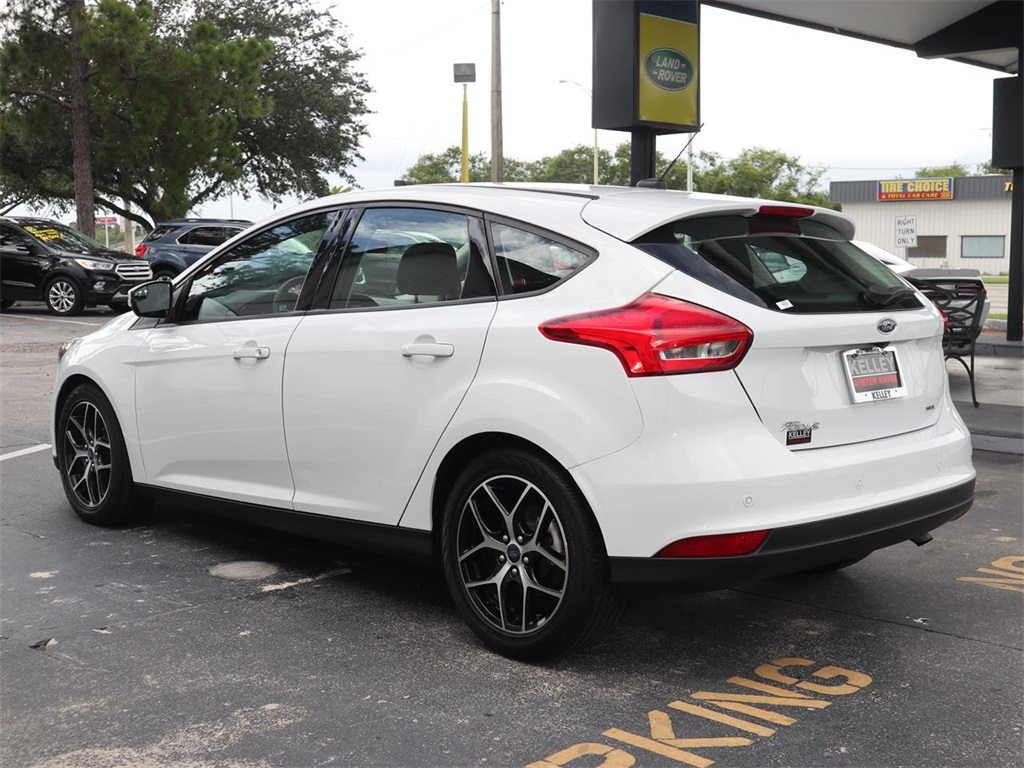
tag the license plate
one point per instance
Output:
(874, 374)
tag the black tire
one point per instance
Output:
(161, 272)
(5, 304)
(507, 507)
(63, 296)
(93, 461)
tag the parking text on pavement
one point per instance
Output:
(789, 687)
(1010, 571)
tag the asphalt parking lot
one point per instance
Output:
(186, 641)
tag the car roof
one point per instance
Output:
(625, 213)
(179, 222)
(31, 220)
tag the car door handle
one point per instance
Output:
(252, 353)
(434, 350)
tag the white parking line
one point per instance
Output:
(24, 451)
(48, 320)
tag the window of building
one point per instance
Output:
(982, 246)
(928, 247)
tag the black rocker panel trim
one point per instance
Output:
(405, 543)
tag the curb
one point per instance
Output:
(997, 444)
(993, 346)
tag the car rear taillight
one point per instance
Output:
(787, 211)
(657, 335)
(719, 545)
(140, 250)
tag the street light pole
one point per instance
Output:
(591, 95)
(464, 174)
(465, 74)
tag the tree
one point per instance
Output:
(941, 171)
(51, 39)
(574, 165)
(446, 168)
(318, 97)
(756, 172)
(959, 169)
(987, 168)
(760, 172)
(187, 101)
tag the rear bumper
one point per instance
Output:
(801, 547)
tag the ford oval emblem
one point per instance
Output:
(887, 325)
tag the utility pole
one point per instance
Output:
(497, 154)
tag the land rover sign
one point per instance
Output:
(669, 69)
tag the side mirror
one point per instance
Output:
(151, 299)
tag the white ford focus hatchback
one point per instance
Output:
(552, 391)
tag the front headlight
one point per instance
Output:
(97, 265)
(66, 347)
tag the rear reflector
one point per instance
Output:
(720, 545)
(658, 335)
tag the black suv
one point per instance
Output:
(174, 245)
(43, 260)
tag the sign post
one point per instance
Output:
(105, 222)
(906, 232)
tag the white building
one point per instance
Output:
(961, 222)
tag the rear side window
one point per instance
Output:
(206, 236)
(531, 262)
(784, 264)
(157, 233)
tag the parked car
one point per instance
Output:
(44, 260)
(942, 279)
(174, 245)
(553, 392)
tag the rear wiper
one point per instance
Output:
(884, 295)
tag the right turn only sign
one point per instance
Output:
(906, 232)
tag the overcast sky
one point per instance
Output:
(862, 110)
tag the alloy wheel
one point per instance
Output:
(512, 554)
(61, 296)
(87, 454)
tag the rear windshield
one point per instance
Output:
(784, 264)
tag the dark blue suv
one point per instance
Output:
(174, 245)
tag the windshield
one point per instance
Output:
(65, 238)
(784, 264)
